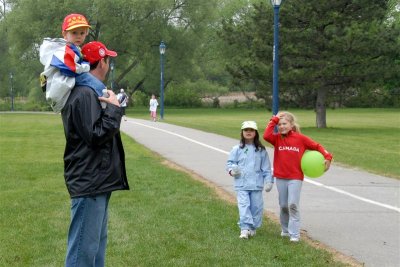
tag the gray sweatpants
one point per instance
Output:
(289, 198)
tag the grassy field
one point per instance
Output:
(368, 139)
(166, 219)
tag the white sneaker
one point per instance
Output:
(294, 239)
(252, 233)
(244, 234)
(285, 234)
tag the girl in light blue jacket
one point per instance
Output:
(249, 164)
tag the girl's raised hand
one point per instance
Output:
(280, 114)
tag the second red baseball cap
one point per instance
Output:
(95, 51)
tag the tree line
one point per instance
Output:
(332, 53)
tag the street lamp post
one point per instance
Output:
(112, 74)
(162, 52)
(275, 78)
(12, 91)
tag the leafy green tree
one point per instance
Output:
(394, 11)
(336, 45)
(4, 66)
(248, 47)
(326, 47)
(134, 28)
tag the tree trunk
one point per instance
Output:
(320, 108)
(138, 85)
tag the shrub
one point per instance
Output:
(182, 97)
(138, 98)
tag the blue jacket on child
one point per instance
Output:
(254, 166)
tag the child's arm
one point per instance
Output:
(266, 168)
(312, 145)
(266, 172)
(81, 68)
(269, 135)
(232, 164)
(67, 61)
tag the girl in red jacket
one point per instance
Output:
(289, 147)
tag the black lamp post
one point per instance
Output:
(275, 79)
(162, 52)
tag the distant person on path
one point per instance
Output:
(153, 107)
(123, 101)
(289, 147)
(62, 60)
(249, 164)
(94, 160)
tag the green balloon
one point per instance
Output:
(313, 164)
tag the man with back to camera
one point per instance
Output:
(94, 159)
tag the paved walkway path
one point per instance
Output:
(354, 212)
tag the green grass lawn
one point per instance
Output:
(368, 139)
(166, 219)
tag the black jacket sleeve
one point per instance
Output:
(93, 124)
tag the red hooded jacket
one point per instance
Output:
(289, 149)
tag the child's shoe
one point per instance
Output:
(252, 233)
(294, 239)
(244, 234)
(285, 234)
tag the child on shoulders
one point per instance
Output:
(62, 60)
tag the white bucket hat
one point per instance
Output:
(249, 124)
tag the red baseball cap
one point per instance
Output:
(73, 21)
(94, 51)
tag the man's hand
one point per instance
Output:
(112, 99)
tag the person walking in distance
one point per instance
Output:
(249, 164)
(153, 107)
(123, 101)
(94, 159)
